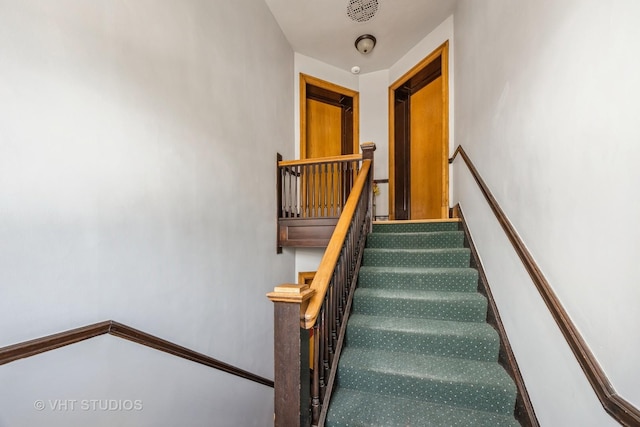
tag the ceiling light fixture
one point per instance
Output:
(365, 43)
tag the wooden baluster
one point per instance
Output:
(297, 196)
(315, 381)
(287, 192)
(308, 187)
(325, 191)
(325, 346)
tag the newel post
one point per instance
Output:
(367, 153)
(292, 384)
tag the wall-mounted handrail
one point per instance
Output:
(51, 342)
(619, 408)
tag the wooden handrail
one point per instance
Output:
(320, 282)
(322, 160)
(619, 408)
(51, 342)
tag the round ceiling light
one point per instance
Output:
(362, 10)
(365, 43)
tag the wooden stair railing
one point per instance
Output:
(311, 197)
(51, 342)
(619, 408)
(302, 398)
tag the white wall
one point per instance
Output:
(124, 133)
(546, 106)
(374, 126)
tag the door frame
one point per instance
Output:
(314, 81)
(443, 52)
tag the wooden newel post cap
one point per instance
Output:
(291, 293)
(367, 149)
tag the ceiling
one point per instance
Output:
(322, 29)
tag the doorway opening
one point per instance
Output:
(329, 117)
(419, 140)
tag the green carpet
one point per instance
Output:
(418, 351)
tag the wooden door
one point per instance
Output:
(425, 181)
(324, 129)
(418, 141)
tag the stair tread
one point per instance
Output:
(441, 369)
(432, 233)
(419, 270)
(410, 303)
(413, 294)
(422, 326)
(478, 385)
(355, 408)
(395, 227)
(469, 340)
(417, 257)
(417, 250)
(463, 279)
(414, 239)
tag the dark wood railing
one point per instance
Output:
(619, 408)
(311, 197)
(51, 342)
(302, 394)
(316, 188)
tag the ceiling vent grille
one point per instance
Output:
(362, 10)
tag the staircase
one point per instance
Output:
(418, 350)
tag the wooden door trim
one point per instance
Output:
(307, 79)
(443, 52)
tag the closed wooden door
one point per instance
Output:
(324, 129)
(418, 141)
(426, 152)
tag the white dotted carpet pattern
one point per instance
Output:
(418, 350)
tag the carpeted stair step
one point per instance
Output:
(354, 408)
(423, 240)
(426, 279)
(460, 306)
(432, 258)
(412, 227)
(471, 384)
(470, 340)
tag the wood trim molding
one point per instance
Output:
(619, 408)
(523, 410)
(51, 342)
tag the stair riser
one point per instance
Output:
(466, 311)
(450, 258)
(485, 398)
(353, 408)
(452, 239)
(466, 281)
(483, 349)
(415, 227)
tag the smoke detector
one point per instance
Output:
(362, 10)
